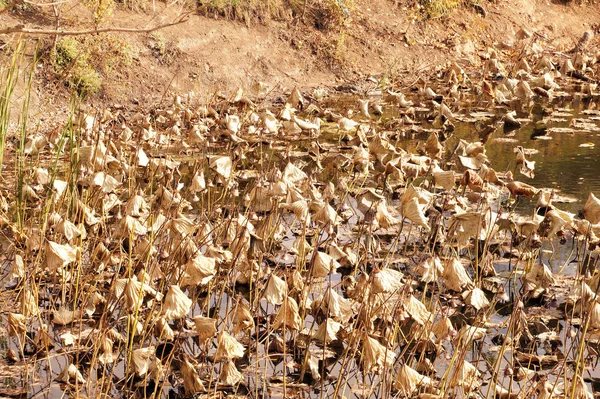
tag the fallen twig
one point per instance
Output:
(22, 30)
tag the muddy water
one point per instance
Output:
(567, 158)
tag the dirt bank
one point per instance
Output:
(381, 39)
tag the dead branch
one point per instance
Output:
(26, 31)
(54, 3)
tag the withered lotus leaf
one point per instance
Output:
(205, 327)
(408, 380)
(176, 304)
(375, 357)
(288, 316)
(228, 347)
(71, 374)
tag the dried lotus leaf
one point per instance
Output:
(327, 215)
(327, 331)
(291, 127)
(408, 380)
(41, 176)
(443, 329)
(296, 280)
(271, 123)
(70, 230)
(140, 360)
(276, 290)
(176, 304)
(489, 175)
(292, 175)
(206, 327)
(71, 374)
(467, 334)
(455, 276)
(424, 197)
(467, 225)
(133, 291)
(288, 316)
(58, 255)
(17, 324)
(17, 268)
(553, 223)
(230, 375)
(59, 187)
(233, 123)
(346, 256)
(430, 270)
(199, 271)
(323, 265)
(29, 302)
(142, 159)
(527, 166)
(375, 356)
(381, 147)
(306, 125)
(417, 310)
(163, 331)
(591, 210)
(476, 298)
(228, 347)
(523, 91)
(192, 384)
(465, 375)
(64, 316)
(295, 99)
(540, 276)
(300, 246)
(433, 147)
(412, 170)
(471, 162)
(519, 188)
(444, 179)
(347, 125)
(397, 98)
(222, 165)
(299, 208)
(105, 182)
(413, 212)
(43, 338)
(68, 339)
(594, 315)
(136, 206)
(242, 317)
(384, 218)
(106, 347)
(473, 181)
(578, 386)
(363, 106)
(334, 305)
(386, 281)
(198, 183)
(130, 226)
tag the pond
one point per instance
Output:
(317, 246)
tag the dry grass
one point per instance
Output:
(82, 62)
(433, 9)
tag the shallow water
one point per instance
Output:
(561, 163)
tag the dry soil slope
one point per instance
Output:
(382, 39)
